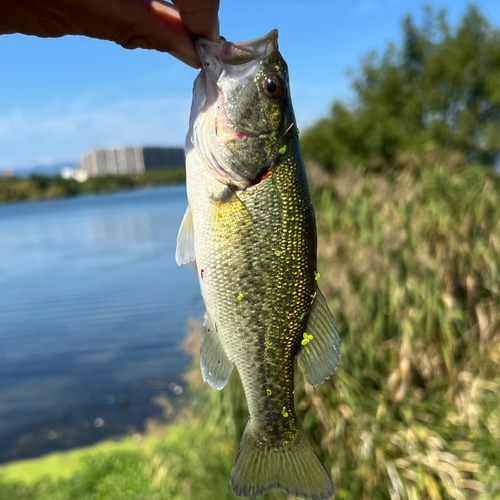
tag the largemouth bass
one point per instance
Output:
(250, 226)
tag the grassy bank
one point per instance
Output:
(43, 188)
(410, 264)
(63, 465)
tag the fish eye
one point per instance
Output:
(273, 87)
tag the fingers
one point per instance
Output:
(147, 24)
(200, 17)
(177, 22)
(169, 34)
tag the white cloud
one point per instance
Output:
(64, 130)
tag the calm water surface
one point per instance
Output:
(92, 310)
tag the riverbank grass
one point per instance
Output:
(63, 465)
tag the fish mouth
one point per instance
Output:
(231, 58)
(236, 53)
(236, 60)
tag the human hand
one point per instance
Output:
(147, 24)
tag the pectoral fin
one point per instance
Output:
(185, 240)
(320, 356)
(215, 366)
(230, 219)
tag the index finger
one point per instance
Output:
(200, 17)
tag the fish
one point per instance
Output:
(250, 227)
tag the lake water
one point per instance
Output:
(92, 310)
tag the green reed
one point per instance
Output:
(411, 268)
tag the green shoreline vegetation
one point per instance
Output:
(38, 187)
(409, 260)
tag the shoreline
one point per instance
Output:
(101, 420)
(41, 188)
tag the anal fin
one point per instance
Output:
(320, 356)
(215, 365)
(185, 240)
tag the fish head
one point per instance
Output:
(241, 109)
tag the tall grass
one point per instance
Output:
(410, 265)
(411, 268)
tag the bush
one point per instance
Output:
(439, 89)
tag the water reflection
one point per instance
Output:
(93, 308)
(123, 231)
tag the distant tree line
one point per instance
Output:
(439, 90)
(39, 187)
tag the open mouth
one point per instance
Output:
(239, 52)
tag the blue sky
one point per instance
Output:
(63, 97)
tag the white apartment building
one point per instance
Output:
(130, 160)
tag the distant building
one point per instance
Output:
(78, 174)
(130, 160)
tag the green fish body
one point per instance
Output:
(250, 226)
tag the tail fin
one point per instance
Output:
(293, 467)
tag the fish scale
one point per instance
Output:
(250, 226)
(242, 260)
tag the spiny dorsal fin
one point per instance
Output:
(320, 356)
(292, 466)
(215, 366)
(185, 240)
